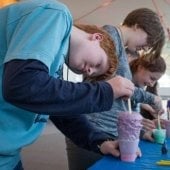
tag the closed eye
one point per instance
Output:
(153, 78)
(98, 65)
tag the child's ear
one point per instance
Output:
(134, 27)
(97, 36)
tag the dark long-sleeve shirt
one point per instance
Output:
(28, 85)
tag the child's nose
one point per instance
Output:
(151, 84)
(90, 71)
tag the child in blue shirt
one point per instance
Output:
(37, 37)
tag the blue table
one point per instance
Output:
(151, 153)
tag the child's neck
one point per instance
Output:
(124, 34)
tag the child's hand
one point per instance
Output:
(158, 105)
(162, 122)
(122, 87)
(110, 147)
(148, 124)
(148, 136)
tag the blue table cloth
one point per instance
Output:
(151, 153)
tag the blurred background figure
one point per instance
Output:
(168, 109)
(146, 74)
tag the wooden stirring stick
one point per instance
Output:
(129, 106)
(159, 124)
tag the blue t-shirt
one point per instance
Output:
(32, 29)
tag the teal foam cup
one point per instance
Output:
(159, 135)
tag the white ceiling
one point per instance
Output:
(92, 12)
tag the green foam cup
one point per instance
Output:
(159, 135)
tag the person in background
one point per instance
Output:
(146, 73)
(168, 108)
(141, 30)
(37, 37)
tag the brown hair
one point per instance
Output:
(108, 46)
(149, 21)
(153, 89)
(150, 64)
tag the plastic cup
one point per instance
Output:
(129, 126)
(128, 150)
(159, 135)
(167, 127)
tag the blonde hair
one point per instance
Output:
(108, 46)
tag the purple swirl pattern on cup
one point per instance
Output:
(129, 126)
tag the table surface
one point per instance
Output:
(151, 153)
